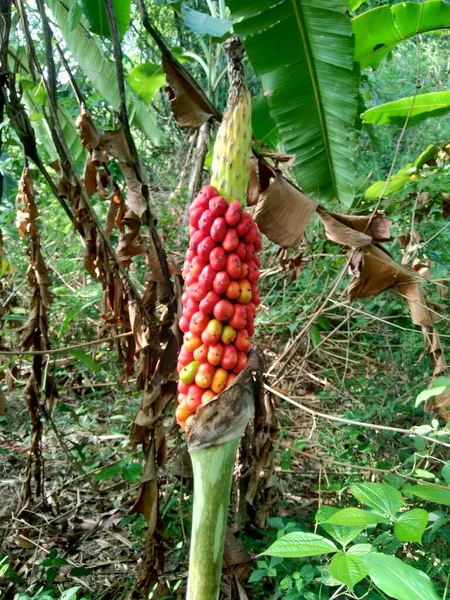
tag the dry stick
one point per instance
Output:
(66, 158)
(326, 459)
(290, 350)
(169, 296)
(66, 348)
(314, 413)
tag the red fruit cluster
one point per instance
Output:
(221, 271)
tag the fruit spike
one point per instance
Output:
(229, 171)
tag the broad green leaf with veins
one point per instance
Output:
(379, 30)
(397, 579)
(302, 51)
(380, 496)
(414, 108)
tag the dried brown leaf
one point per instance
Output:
(190, 106)
(253, 189)
(283, 212)
(355, 231)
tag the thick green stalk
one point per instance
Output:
(213, 473)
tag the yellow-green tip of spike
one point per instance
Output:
(232, 149)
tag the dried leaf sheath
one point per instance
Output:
(35, 330)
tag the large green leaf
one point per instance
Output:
(96, 15)
(302, 50)
(204, 24)
(347, 568)
(397, 579)
(379, 30)
(355, 517)
(342, 533)
(428, 492)
(410, 525)
(101, 71)
(415, 108)
(300, 543)
(380, 496)
(145, 80)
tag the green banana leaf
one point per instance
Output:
(302, 50)
(34, 97)
(424, 106)
(101, 71)
(379, 30)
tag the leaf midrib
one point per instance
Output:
(299, 16)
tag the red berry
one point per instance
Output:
(205, 222)
(239, 318)
(209, 301)
(231, 241)
(190, 254)
(195, 216)
(258, 241)
(223, 311)
(204, 376)
(253, 272)
(215, 354)
(184, 324)
(217, 258)
(218, 229)
(198, 323)
(218, 206)
(244, 270)
(201, 353)
(197, 265)
(183, 388)
(190, 279)
(251, 234)
(234, 266)
(244, 225)
(221, 282)
(208, 192)
(197, 292)
(233, 214)
(196, 239)
(185, 357)
(242, 361)
(205, 247)
(229, 357)
(255, 295)
(207, 276)
(233, 291)
(242, 341)
(241, 251)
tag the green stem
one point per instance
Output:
(213, 474)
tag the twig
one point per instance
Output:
(326, 459)
(314, 413)
(65, 349)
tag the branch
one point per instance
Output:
(124, 120)
(314, 413)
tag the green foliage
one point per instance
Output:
(414, 109)
(398, 579)
(355, 565)
(204, 24)
(101, 71)
(381, 29)
(315, 121)
(95, 13)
